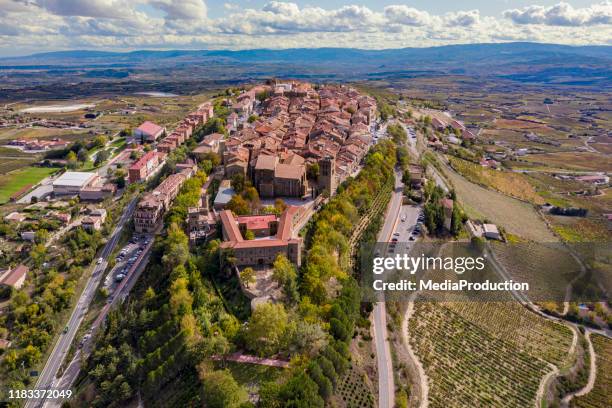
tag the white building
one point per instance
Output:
(491, 231)
(72, 182)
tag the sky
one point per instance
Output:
(29, 26)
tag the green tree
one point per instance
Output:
(249, 235)
(101, 157)
(313, 171)
(248, 276)
(83, 155)
(238, 182)
(266, 328)
(220, 390)
(301, 391)
(176, 248)
(41, 236)
(38, 254)
(238, 205)
(253, 118)
(71, 159)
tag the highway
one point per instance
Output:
(62, 346)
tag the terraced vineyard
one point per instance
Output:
(600, 394)
(467, 366)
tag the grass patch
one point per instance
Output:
(17, 180)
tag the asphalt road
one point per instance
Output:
(386, 385)
(47, 376)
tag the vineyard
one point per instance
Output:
(600, 394)
(527, 332)
(513, 184)
(514, 216)
(548, 268)
(467, 365)
(354, 391)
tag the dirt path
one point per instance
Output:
(592, 374)
(423, 381)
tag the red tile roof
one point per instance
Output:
(143, 160)
(150, 128)
(11, 277)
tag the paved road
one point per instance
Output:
(60, 350)
(120, 293)
(386, 386)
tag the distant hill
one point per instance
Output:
(182, 70)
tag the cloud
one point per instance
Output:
(288, 18)
(407, 16)
(182, 9)
(34, 25)
(562, 14)
(463, 18)
(86, 8)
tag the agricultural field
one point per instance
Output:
(469, 366)
(548, 268)
(11, 133)
(354, 392)
(600, 394)
(577, 161)
(514, 216)
(512, 184)
(18, 180)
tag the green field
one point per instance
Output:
(14, 181)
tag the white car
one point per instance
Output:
(100, 260)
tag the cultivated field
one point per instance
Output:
(469, 366)
(579, 161)
(600, 394)
(512, 184)
(516, 217)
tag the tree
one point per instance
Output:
(283, 270)
(252, 118)
(248, 276)
(266, 328)
(99, 141)
(37, 254)
(101, 157)
(220, 390)
(249, 235)
(313, 171)
(279, 206)
(41, 236)
(238, 182)
(301, 391)
(176, 248)
(82, 155)
(324, 384)
(238, 205)
(72, 160)
(252, 196)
